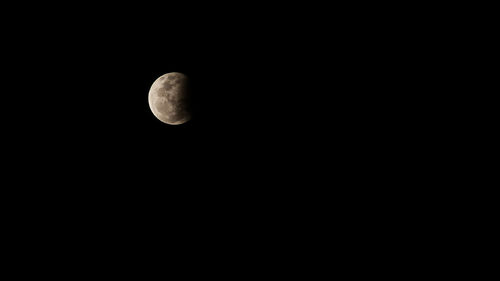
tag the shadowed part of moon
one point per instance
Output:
(169, 98)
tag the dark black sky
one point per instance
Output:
(304, 119)
(285, 103)
(269, 85)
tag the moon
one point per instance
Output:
(169, 98)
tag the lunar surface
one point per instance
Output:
(169, 98)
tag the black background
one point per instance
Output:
(279, 92)
(262, 85)
(298, 113)
(283, 100)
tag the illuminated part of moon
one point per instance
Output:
(169, 98)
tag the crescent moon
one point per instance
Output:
(169, 98)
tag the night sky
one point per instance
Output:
(297, 112)
(269, 92)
